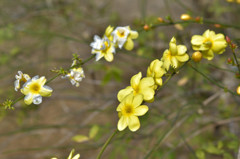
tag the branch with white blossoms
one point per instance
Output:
(111, 40)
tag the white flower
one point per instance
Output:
(34, 89)
(122, 37)
(103, 48)
(20, 78)
(76, 75)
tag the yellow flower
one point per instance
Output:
(209, 43)
(129, 110)
(77, 156)
(185, 17)
(20, 78)
(35, 89)
(175, 55)
(103, 48)
(144, 86)
(122, 37)
(156, 71)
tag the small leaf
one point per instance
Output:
(80, 138)
(93, 131)
(200, 154)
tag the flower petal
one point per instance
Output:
(122, 123)
(46, 91)
(28, 99)
(174, 62)
(108, 56)
(124, 92)
(141, 110)
(182, 49)
(219, 46)
(148, 93)
(135, 80)
(133, 123)
(208, 54)
(137, 100)
(183, 58)
(197, 40)
(129, 44)
(133, 34)
(37, 99)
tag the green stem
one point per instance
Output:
(236, 60)
(106, 144)
(213, 81)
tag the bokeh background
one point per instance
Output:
(190, 114)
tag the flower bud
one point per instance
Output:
(197, 19)
(238, 90)
(146, 27)
(160, 19)
(197, 56)
(217, 25)
(228, 39)
(185, 17)
(229, 61)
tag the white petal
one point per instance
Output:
(37, 99)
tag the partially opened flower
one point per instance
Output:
(209, 43)
(156, 71)
(34, 89)
(103, 48)
(144, 86)
(20, 78)
(108, 32)
(175, 55)
(76, 75)
(77, 156)
(122, 37)
(129, 110)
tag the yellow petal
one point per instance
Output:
(135, 80)
(219, 37)
(137, 100)
(129, 44)
(141, 110)
(42, 80)
(146, 82)
(109, 56)
(45, 91)
(122, 123)
(197, 40)
(28, 99)
(128, 99)
(124, 92)
(134, 123)
(219, 46)
(183, 58)
(182, 49)
(208, 54)
(207, 33)
(174, 62)
(148, 93)
(158, 81)
(133, 34)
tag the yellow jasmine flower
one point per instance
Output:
(156, 71)
(129, 110)
(175, 55)
(76, 75)
(77, 156)
(103, 48)
(209, 43)
(122, 37)
(20, 78)
(34, 89)
(144, 86)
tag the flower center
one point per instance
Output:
(128, 110)
(121, 33)
(35, 88)
(208, 42)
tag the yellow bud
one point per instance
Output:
(238, 90)
(160, 19)
(185, 17)
(197, 56)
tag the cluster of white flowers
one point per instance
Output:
(112, 39)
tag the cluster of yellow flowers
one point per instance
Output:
(33, 89)
(143, 89)
(112, 39)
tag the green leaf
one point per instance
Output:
(200, 154)
(80, 138)
(93, 131)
